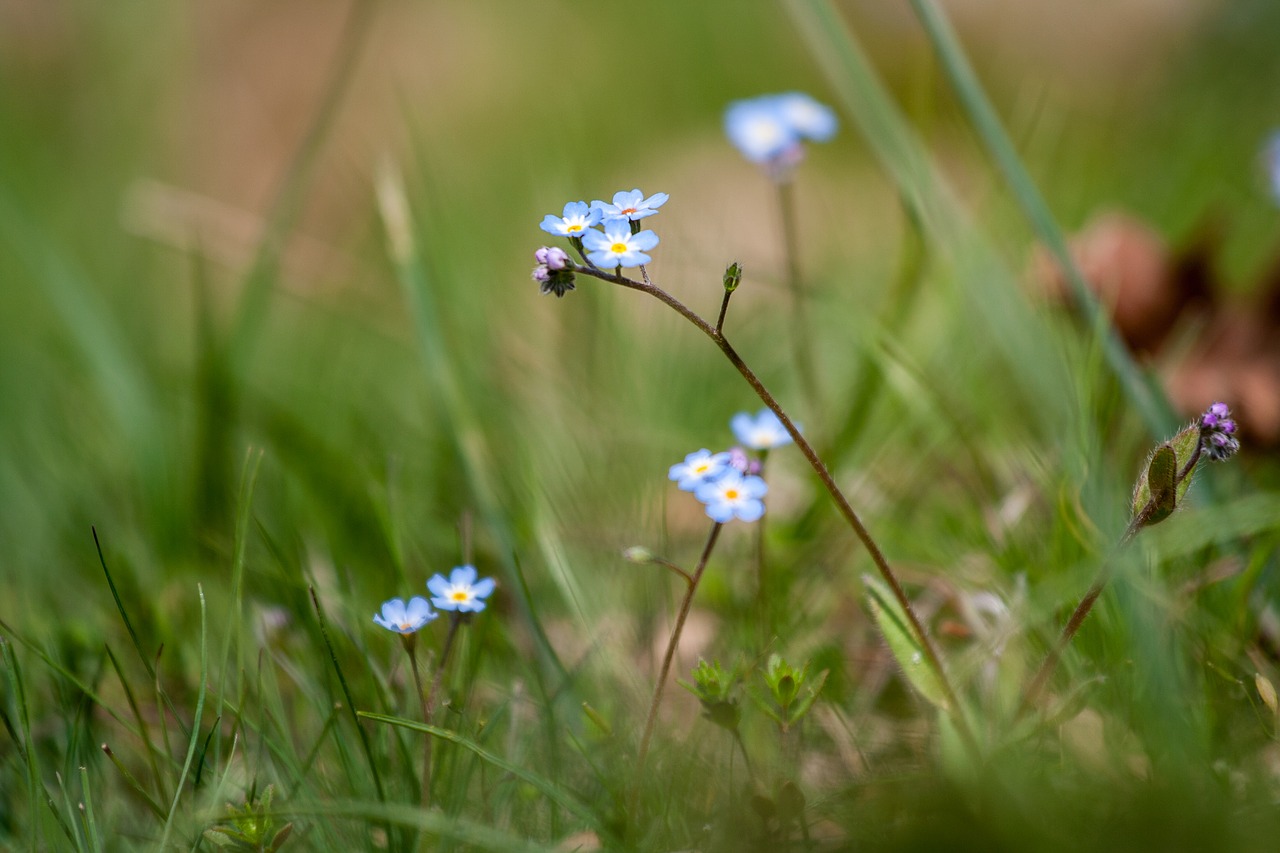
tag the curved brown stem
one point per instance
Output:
(685, 605)
(819, 468)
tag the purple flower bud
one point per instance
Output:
(541, 274)
(1217, 433)
(552, 257)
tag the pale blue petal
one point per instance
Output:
(438, 587)
(463, 576)
(644, 241)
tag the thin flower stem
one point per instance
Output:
(410, 647)
(667, 564)
(842, 503)
(1085, 606)
(801, 339)
(674, 641)
(464, 535)
(724, 309)
(1091, 597)
(454, 624)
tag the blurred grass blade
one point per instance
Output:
(346, 694)
(194, 738)
(554, 792)
(1143, 394)
(442, 375)
(90, 819)
(235, 619)
(474, 836)
(989, 287)
(133, 635)
(155, 807)
(26, 747)
(903, 643)
(23, 740)
(77, 838)
(256, 296)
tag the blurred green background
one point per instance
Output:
(194, 264)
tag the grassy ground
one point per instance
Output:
(267, 327)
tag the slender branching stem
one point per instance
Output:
(842, 503)
(454, 624)
(667, 564)
(724, 309)
(1140, 520)
(674, 641)
(429, 700)
(801, 339)
(410, 646)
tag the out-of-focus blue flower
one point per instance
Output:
(807, 117)
(1271, 163)
(697, 468)
(769, 129)
(758, 129)
(630, 205)
(461, 591)
(578, 217)
(617, 246)
(762, 432)
(405, 618)
(733, 495)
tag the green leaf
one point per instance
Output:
(903, 643)
(1160, 485)
(562, 797)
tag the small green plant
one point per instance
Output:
(251, 828)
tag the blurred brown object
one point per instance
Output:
(1150, 291)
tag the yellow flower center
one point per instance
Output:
(731, 494)
(618, 248)
(460, 595)
(573, 228)
(628, 210)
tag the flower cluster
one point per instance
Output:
(1217, 433)
(770, 129)
(728, 483)
(553, 272)
(463, 592)
(607, 234)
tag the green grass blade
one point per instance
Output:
(1143, 394)
(985, 281)
(152, 804)
(194, 739)
(441, 372)
(351, 702)
(903, 644)
(554, 792)
(90, 818)
(459, 830)
(259, 283)
(76, 838)
(144, 731)
(235, 619)
(133, 635)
